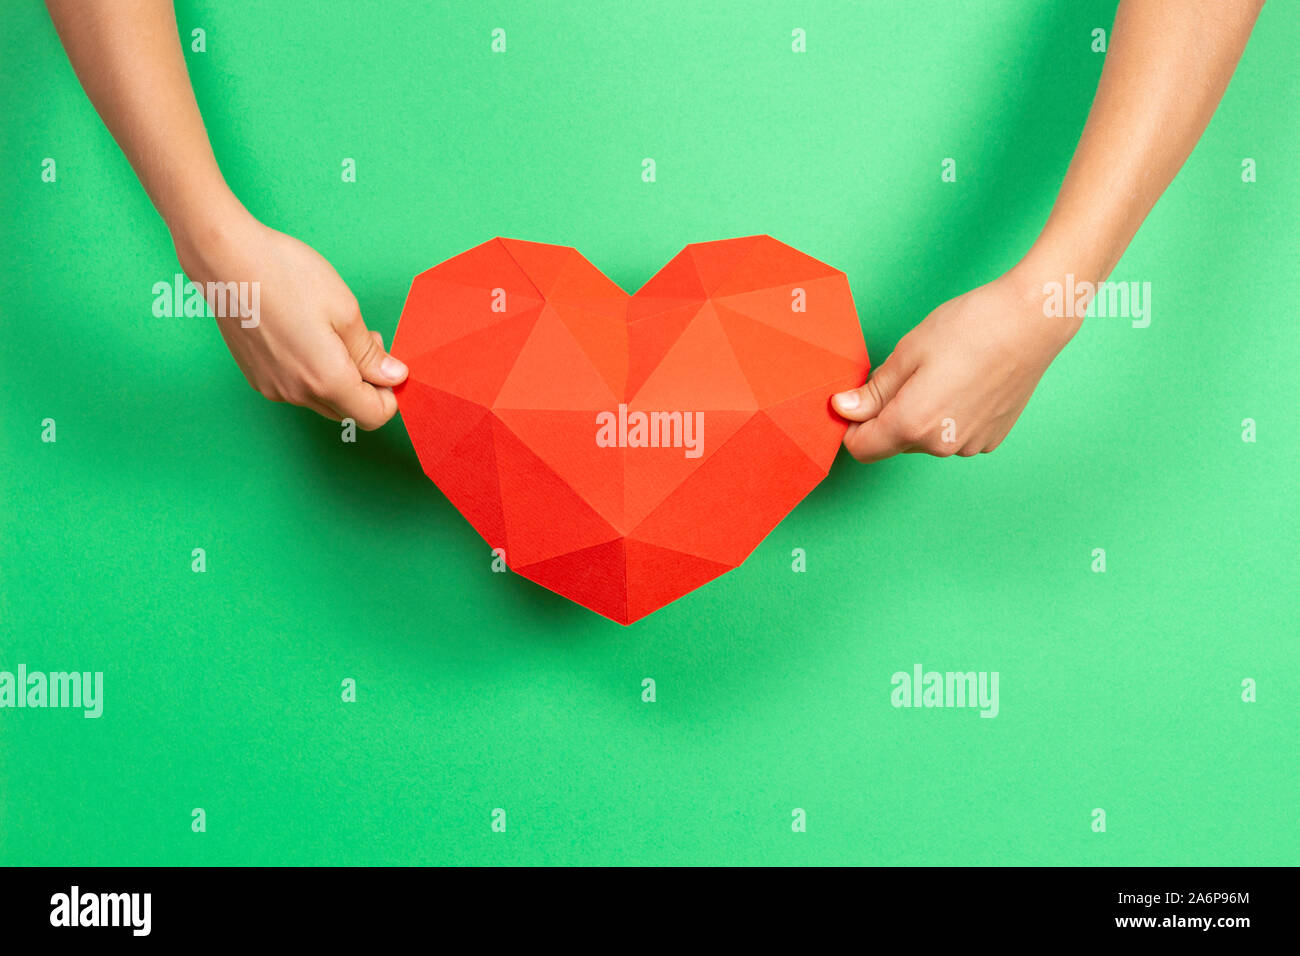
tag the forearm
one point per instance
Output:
(1167, 67)
(127, 55)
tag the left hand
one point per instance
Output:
(958, 381)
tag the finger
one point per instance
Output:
(866, 402)
(367, 351)
(369, 406)
(294, 397)
(320, 408)
(875, 439)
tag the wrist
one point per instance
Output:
(208, 227)
(1045, 301)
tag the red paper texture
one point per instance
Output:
(522, 354)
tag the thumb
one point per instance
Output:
(865, 403)
(367, 350)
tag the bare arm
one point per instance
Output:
(1167, 68)
(975, 360)
(308, 344)
(128, 57)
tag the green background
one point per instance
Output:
(477, 690)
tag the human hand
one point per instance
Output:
(958, 381)
(308, 344)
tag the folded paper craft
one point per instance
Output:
(624, 450)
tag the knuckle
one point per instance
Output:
(349, 309)
(872, 393)
(297, 395)
(373, 354)
(853, 445)
(312, 384)
(913, 432)
(335, 388)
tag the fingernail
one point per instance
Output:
(848, 400)
(392, 368)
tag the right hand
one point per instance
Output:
(307, 345)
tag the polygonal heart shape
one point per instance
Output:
(624, 450)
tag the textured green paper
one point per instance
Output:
(477, 690)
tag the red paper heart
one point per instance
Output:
(528, 371)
